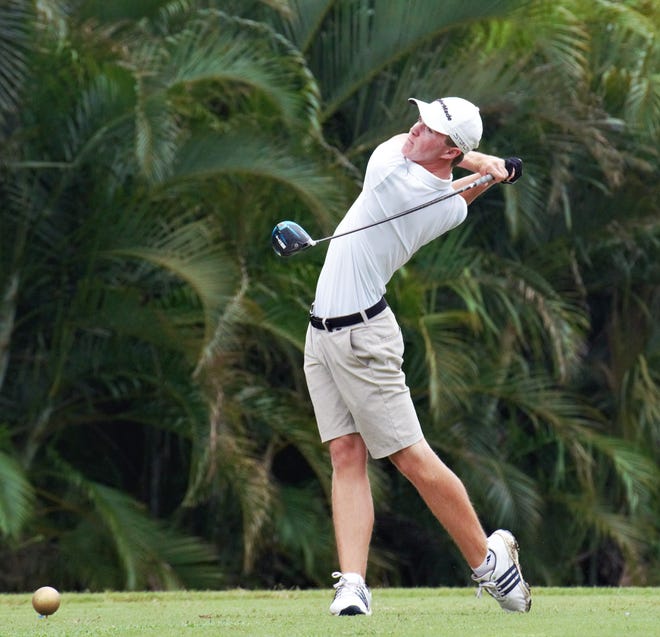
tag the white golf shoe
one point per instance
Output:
(505, 582)
(352, 596)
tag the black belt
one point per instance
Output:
(337, 322)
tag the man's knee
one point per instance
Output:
(413, 459)
(348, 452)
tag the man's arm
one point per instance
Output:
(485, 165)
(471, 194)
(482, 164)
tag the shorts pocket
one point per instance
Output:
(378, 344)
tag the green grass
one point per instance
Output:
(578, 612)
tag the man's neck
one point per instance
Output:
(440, 169)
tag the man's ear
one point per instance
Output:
(451, 153)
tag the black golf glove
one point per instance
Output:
(514, 167)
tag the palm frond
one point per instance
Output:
(357, 41)
(157, 136)
(637, 472)
(626, 57)
(250, 482)
(224, 49)
(602, 521)
(99, 120)
(302, 527)
(16, 497)
(640, 409)
(251, 154)
(511, 498)
(7, 318)
(151, 555)
(15, 21)
(208, 273)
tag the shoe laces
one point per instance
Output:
(344, 586)
(490, 587)
(341, 579)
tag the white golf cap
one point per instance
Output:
(455, 117)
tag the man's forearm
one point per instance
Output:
(473, 161)
(483, 164)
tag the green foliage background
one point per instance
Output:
(155, 431)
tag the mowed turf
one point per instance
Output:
(578, 612)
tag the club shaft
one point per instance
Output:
(484, 179)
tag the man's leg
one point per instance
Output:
(494, 560)
(353, 519)
(446, 497)
(352, 504)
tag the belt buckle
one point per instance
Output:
(325, 327)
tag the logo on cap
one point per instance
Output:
(444, 108)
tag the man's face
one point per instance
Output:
(425, 146)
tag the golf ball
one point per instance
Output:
(46, 600)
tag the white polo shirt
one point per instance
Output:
(358, 267)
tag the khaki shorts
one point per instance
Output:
(356, 385)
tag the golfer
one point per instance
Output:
(354, 352)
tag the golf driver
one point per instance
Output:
(288, 237)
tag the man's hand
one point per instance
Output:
(503, 170)
(514, 168)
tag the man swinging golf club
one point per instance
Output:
(354, 350)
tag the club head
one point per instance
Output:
(288, 238)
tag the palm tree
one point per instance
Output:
(123, 270)
(150, 343)
(509, 286)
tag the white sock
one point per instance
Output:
(486, 566)
(353, 578)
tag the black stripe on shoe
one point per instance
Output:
(508, 581)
